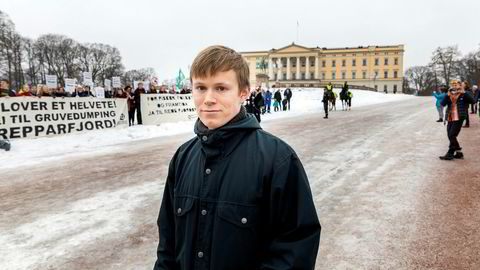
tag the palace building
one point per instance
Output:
(377, 67)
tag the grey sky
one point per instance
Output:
(166, 35)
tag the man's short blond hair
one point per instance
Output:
(219, 58)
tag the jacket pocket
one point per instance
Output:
(239, 215)
(182, 206)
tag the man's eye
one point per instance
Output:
(200, 88)
(221, 89)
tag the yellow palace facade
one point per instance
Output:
(377, 67)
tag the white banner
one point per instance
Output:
(87, 78)
(51, 81)
(116, 82)
(30, 117)
(164, 108)
(108, 84)
(70, 85)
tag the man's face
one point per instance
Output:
(140, 85)
(217, 98)
(3, 85)
(459, 86)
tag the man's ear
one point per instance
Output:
(244, 94)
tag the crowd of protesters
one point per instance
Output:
(132, 96)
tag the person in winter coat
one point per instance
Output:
(468, 91)
(439, 96)
(268, 100)
(326, 98)
(235, 197)
(140, 90)
(349, 99)
(25, 92)
(258, 103)
(476, 95)
(4, 143)
(457, 111)
(278, 98)
(288, 95)
(130, 105)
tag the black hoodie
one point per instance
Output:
(237, 197)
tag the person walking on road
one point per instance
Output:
(288, 95)
(325, 100)
(457, 111)
(439, 96)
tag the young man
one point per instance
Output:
(236, 197)
(457, 111)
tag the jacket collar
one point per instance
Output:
(222, 141)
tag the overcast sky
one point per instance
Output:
(166, 35)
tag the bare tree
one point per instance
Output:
(138, 75)
(444, 59)
(422, 77)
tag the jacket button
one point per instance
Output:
(204, 212)
(179, 210)
(208, 171)
(200, 254)
(244, 221)
(204, 138)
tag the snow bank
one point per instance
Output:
(35, 151)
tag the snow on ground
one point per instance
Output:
(49, 149)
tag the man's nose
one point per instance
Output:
(209, 97)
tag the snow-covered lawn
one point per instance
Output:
(49, 149)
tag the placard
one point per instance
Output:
(51, 81)
(70, 85)
(164, 108)
(116, 82)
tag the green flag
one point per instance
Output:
(180, 80)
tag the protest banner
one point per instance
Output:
(51, 81)
(146, 85)
(70, 85)
(116, 82)
(164, 108)
(30, 117)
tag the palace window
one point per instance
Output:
(364, 62)
(395, 74)
(333, 63)
(324, 63)
(344, 63)
(303, 75)
(323, 76)
(312, 63)
(294, 76)
(385, 88)
(376, 87)
(376, 61)
(354, 75)
(386, 62)
(396, 61)
(385, 74)
(395, 88)
(343, 75)
(312, 76)
(354, 62)
(364, 75)
(333, 76)
(284, 76)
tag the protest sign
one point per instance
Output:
(30, 117)
(164, 108)
(51, 81)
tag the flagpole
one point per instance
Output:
(297, 31)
